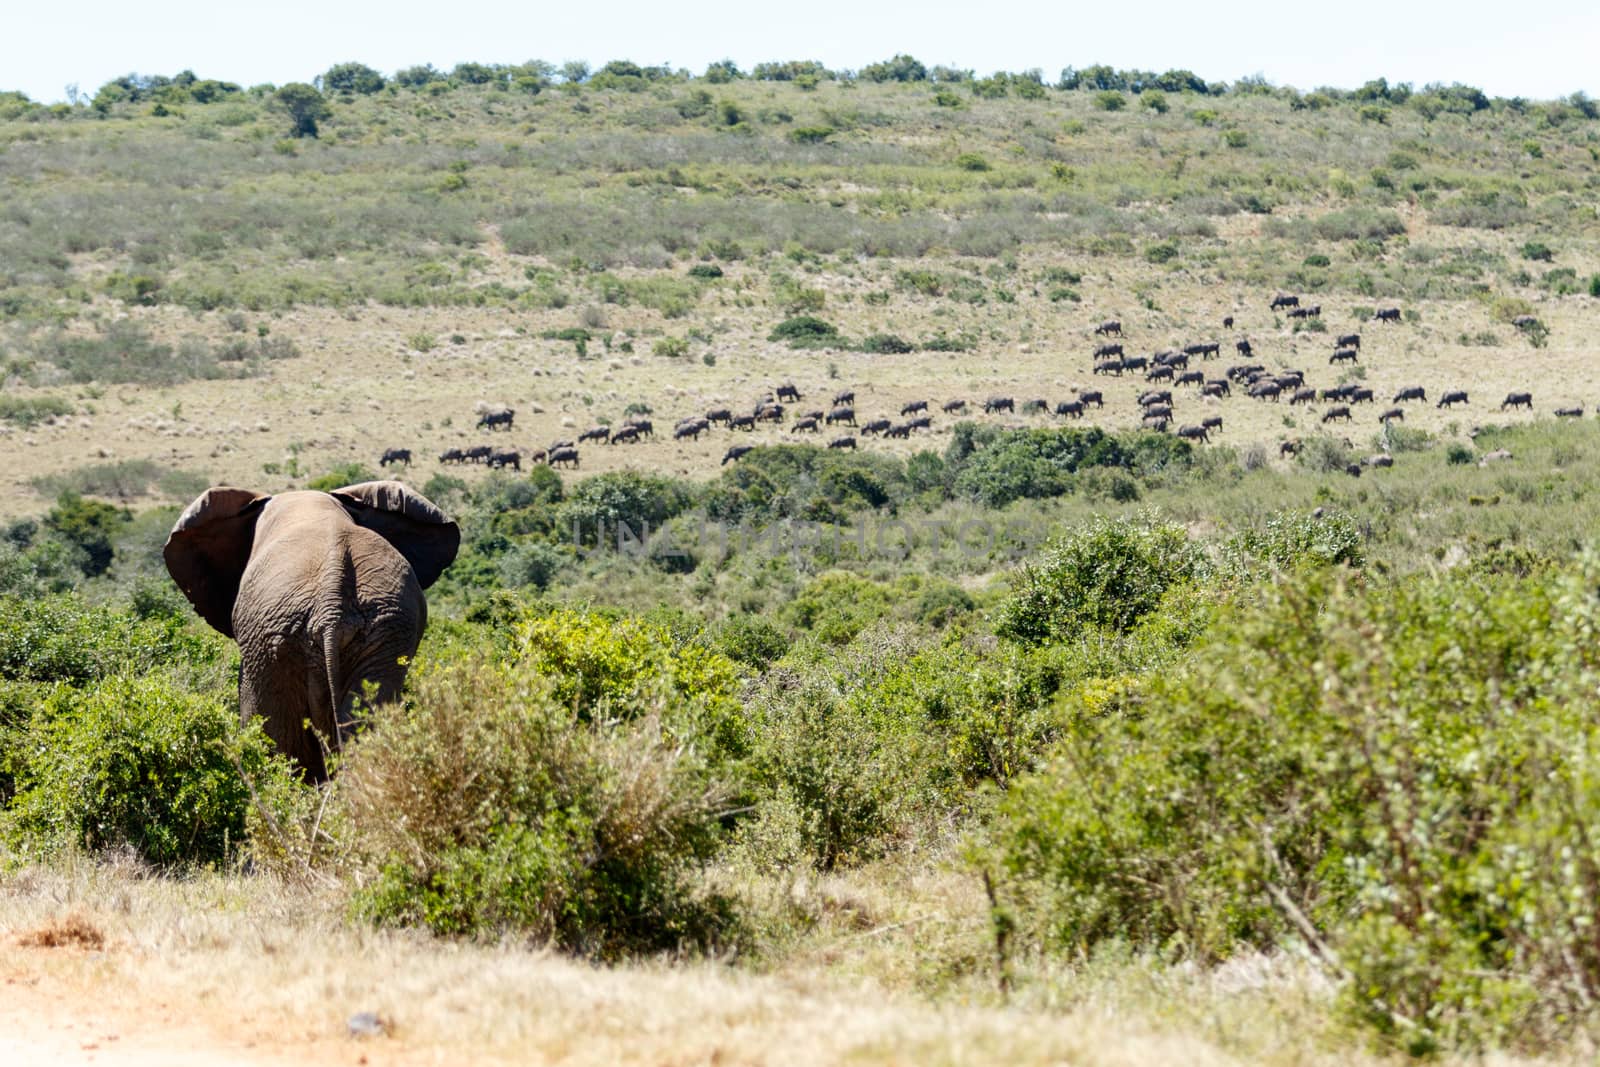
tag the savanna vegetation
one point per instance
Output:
(1019, 715)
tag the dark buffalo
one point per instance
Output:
(1517, 400)
(806, 425)
(395, 455)
(478, 454)
(1070, 408)
(501, 458)
(556, 446)
(736, 452)
(999, 403)
(769, 413)
(1158, 411)
(1109, 328)
(1353, 469)
(1191, 377)
(1109, 366)
(628, 434)
(595, 433)
(955, 406)
(1387, 315)
(913, 407)
(1457, 396)
(1569, 413)
(1342, 411)
(1155, 396)
(1266, 391)
(842, 442)
(1036, 404)
(1227, 322)
(567, 456)
(1217, 388)
(1292, 445)
(644, 427)
(787, 391)
(1135, 363)
(1194, 433)
(846, 397)
(1382, 459)
(1393, 413)
(842, 414)
(1162, 373)
(1411, 392)
(1291, 379)
(900, 430)
(496, 417)
(1284, 300)
(1349, 340)
(1524, 322)
(719, 415)
(452, 455)
(1212, 422)
(691, 429)
(876, 426)
(1092, 396)
(1361, 395)
(1344, 355)
(1108, 350)
(1303, 396)
(743, 422)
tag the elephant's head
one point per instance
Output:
(210, 544)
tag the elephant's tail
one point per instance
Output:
(330, 664)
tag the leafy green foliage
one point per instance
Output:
(806, 331)
(304, 106)
(88, 526)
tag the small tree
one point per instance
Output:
(351, 78)
(304, 106)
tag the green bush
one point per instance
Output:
(28, 412)
(348, 474)
(1403, 775)
(1110, 100)
(972, 161)
(136, 762)
(705, 271)
(574, 827)
(806, 331)
(886, 344)
(1108, 574)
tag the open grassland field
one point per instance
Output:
(1016, 736)
(199, 291)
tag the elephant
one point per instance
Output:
(323, 593)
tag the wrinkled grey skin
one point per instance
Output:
(323, 592)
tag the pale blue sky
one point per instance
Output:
(1541, 51)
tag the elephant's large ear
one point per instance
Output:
(409, 521)
(208, 549)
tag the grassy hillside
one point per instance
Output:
(187, 284)
(1056, 737)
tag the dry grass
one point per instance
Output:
(261, 973)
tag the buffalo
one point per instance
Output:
(736, 452)
(568, 456)
(496, 417)
(1458, 396)
(1393, 413)
(999, 403)
(1340, 411)
(787, 391)
(953, 406)
(395, 455)
(597, 433)
(841, 414)
(846, 397)
(1194, 433)
(501, 458)
(1070, 408)
(1103, 351)
(876, 426)
(1092, 396)
(1517, 400)
(913, 407)
(1411, 392)
(1349, 340)
(1569, 413)
(843, 442)
(1284, 300)
(1344, 355)
(1111, 327)
(1387, 315)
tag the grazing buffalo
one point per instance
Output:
(1030, 406)
(691, 429)
(568, 456)
(876, 426)
(1191, 377)
(496, 417)
(1517, 400)
(1103, 351)
(1212, 422)
(1109, 366)
(1387, 315)
(1569, 413)
(1361, 395)
(1344, 355)
(1353, 469)
(1204, 351)
(1411, 392)
(501, 458)
(953, 406)
(1135, 363)
(843, 442)
(769, 413)
(1284, 300)
(1227, 322)
(1218, 388)
(626, 433)
(1312, 312)
(1194, 433)
(1160, 373)
(1155, 396)
(913, 407)
(1393, 413)
(452, 455)
(1303, 396)
(900, 430)
(558, 445)
(1158, 423)
(1292, 445)
(743, 422)
(1158, 411)
(1242, 346)
(736, 452)
(842, 414)
(787, 391)
(1291, 379)
(1266, 390)
(846, 397)
(643, 427)
(395, 455)
(1457, 396)
(806, 425)
(478, 454)
(595, 433)
(999, 403)
(719, 415)
(1072, 409)
(1091, 397)
(1349, 340)
(1340, 411)
(1524, 322)
(1109, 328)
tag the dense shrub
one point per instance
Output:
(806, 331)
(1402, 776)
(572, 828)
(997, 466)
(135, 762)
(1108, 574)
